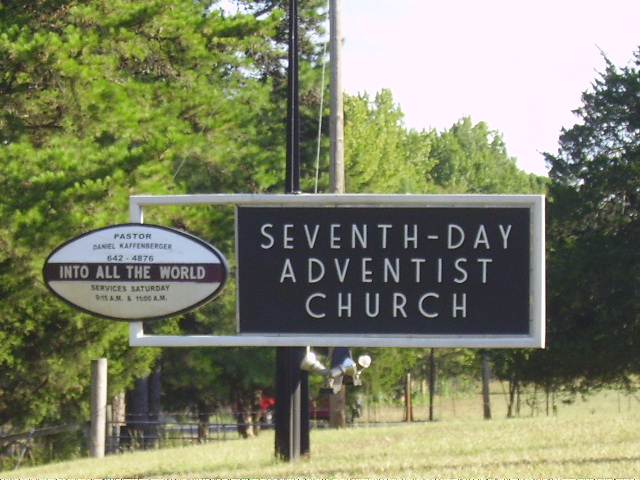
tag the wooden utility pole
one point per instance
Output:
(337, 401)
(336, 127)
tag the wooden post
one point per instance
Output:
(432, 384)
(486, 379)
(336, 126)
(337, 401)
(98, 407)
(408, 405)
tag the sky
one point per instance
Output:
(519, 66)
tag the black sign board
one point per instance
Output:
(384, 270)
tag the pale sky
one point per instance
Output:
(518, 66)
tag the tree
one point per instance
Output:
(473, 159)
(381, 155)
(594, 233)
(203, 378)
(106, 98)
(100, 100)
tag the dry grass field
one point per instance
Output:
(599, 437)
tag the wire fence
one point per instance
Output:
(134, 432)
(15, 446)
(143, 432)
(138, 432)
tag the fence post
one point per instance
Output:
(486, 379)
(408, 404)
(98, 407)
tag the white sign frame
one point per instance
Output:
(535, 338)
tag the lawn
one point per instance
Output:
(579, 441)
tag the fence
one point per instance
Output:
(16, 445)
(143, 431)
(136, 432)
(160, 431)
(146, 431)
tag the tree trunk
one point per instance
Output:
(155, 390)
(203, 423)
(118, 415)
(337, 405)
(242, 419)
(338, 401)
(256, 406)
(513, 392)
(138, 412)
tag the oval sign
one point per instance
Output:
(136, 272)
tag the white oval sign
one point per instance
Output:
(136, 272)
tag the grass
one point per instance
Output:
(583, 440)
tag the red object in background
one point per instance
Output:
(266, 403)
(319, 408)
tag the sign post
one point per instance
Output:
(292, 391)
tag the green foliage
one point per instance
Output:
(384, 380)
(100, 100)
(473, 159)
(594, 233)
(107, 98)
(381, 156)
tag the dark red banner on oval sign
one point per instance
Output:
(136, 272)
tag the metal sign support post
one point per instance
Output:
(292, 384)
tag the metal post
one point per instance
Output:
(98, 407)
(292, 389)
(292, 441)
(292, 177)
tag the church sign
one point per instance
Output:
(441, 270)
(136, 272)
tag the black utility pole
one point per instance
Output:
(292, 384)
(293, 105)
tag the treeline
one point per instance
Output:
(107, 98)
